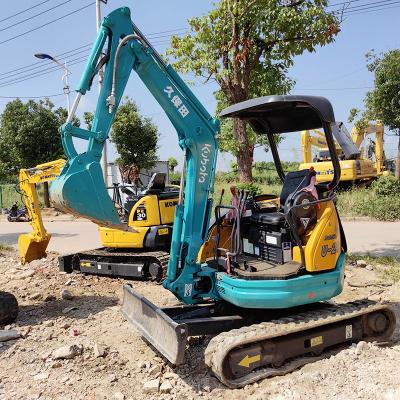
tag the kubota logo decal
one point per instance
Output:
(205, 160)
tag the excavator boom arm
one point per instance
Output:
(80, 188)
(33, 245)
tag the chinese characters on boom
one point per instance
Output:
(176, 101)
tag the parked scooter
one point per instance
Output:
(17, 215)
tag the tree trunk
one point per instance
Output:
(245, 154)
(46, 194)
(397, 173)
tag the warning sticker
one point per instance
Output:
(316, 341)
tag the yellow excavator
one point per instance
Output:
(356, 163)
(141, 252)
(33, 245)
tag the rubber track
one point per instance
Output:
(161, 257)
(220, 346)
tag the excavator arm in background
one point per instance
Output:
(359, 136)
(80, 189)
(33, 245)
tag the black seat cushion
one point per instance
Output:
(294, 181)
(272, 218)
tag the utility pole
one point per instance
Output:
(100, 81)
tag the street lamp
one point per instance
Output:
(67, 72)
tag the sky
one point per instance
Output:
(336, 71)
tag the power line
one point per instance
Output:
(40, 73)
(32, 97)
(40, 66)
(51, 68)
(350, 6)
(376, 10)
(343, 88)
(41, 62)
(34, 16)
(374, 5)
(26, 9)
(47, 23)
(36, 69)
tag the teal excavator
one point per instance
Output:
(260, 277)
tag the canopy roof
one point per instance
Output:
(280, 114)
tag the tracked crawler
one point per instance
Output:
(117, 262)
(248, 354)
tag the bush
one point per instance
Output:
(251, 187)
(386, 186)
(366, 202)
(226, 177)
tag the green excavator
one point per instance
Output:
(260, 278)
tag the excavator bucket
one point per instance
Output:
(155, 325)
(80, 190)
(31, 248)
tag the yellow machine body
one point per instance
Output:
(322, 244)
(149, 212)
(360, 169)
(33, 245)
(351, 170)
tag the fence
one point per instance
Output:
(8, 196)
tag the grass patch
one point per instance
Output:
(5, 247)
(366, 202)
(391, 265)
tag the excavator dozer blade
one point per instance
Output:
(166, 335)
(80, 190)
(30, 248)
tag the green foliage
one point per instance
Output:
(383, 102)
(88, 118)
(381, 201)
(264, 173)
(175, 177)
(172, 162)
(135, 137)
(386, 186)
(5, 247)
(29, 135)
(247, 48)
(251, 187)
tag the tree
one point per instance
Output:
(172, 162)
(246, 46)
(88, 118)
(135, 138)
(29, 136)
(383, 102)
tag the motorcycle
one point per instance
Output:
(17, 215)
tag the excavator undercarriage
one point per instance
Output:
(249, 345)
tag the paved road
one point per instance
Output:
(377, 238)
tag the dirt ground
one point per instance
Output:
(110, 360)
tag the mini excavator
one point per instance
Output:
(260, 278)
(139, 254)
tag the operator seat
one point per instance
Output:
(156, 184)
(293, 183)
